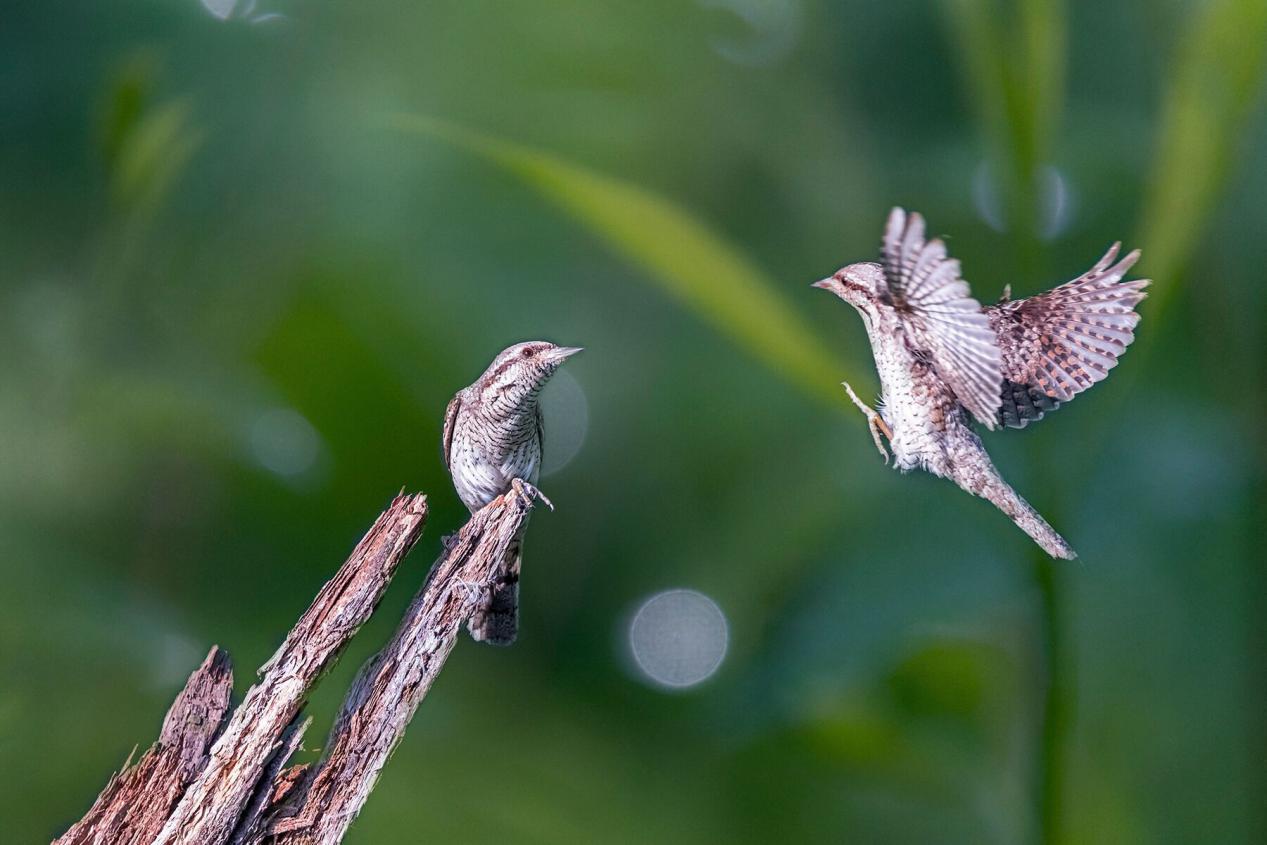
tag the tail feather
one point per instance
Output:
(989, 485)
(497, 622)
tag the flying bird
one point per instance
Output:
(492, 436)
(944, 360)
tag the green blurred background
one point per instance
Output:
(249, 251)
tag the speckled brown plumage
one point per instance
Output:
(1057, 344)
(943, 360)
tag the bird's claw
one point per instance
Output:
(862, 406)
(875, 422)
(876, 425)
(532, 492)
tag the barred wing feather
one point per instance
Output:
(944, 320)
(1057, 344)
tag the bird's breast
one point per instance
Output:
(917, 405)
(490, 450)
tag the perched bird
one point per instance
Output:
(492, 435)
(944, 360)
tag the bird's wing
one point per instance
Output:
(450, 421)
(944, 320)
(1057, 344)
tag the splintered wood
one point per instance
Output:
(217, 776)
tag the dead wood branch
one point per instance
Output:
(389, 687)
(138, 800)
(216, 779)
(212, 806)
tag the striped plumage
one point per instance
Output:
(492, 435)
(943, 360)
(1057, 344)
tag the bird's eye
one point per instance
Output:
(529, 352)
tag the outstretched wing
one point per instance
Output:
(450, 422)
(943, 318)
(1057, 344)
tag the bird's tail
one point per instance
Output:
(497, 623)
(990, 486)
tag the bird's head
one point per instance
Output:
(861, 285)
(520, 371)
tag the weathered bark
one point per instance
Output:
(137, 801)
(272, 786)
(213, 779)
(389, 687)
(211, 807)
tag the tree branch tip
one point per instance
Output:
(217, 659)
(413, 503)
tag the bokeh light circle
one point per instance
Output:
(1055, 202)
(284, 442)
(772, 29)
(678, 638)
(565, 418)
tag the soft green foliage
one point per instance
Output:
(1217, 79)
(234, 301)
(1013, 57)
(689, 260)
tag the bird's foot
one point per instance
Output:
(877, 425)
(862, 406)
(530, 490)
(875, 422)
(878, 421)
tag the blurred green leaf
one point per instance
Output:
(681, 253)
(1216, 81)
(146, 144)
(153, 153)
(126, 101)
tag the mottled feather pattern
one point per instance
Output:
(492, 436)
(493, 443)
(1057, 344)
(944, 320)
(446, 439)
(943, 359)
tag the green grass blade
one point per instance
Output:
(680, 253)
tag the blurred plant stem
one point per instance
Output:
(1057, 699)
(1054, 669)
(1256, 612)
(682, 254)
(1012, 60)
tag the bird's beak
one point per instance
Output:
(825, 284)
(565, 352)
